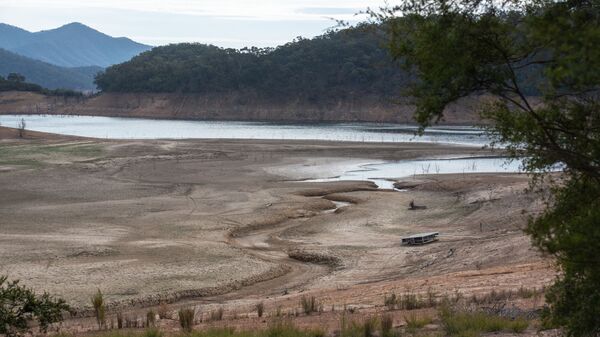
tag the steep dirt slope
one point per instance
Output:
(224, 107)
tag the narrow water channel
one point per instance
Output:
(383, 174)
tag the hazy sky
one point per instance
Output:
(228, 23)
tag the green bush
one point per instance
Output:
(458, 323)
(221, 332)
(20, 305)
(413, 322)
(519, 325)
(366, 328)
(282, 328)
(113, 334)
(152, 332)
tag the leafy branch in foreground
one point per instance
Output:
(498, 52)
(19, 306)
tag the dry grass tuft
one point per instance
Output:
(309, 304)
(186, 319)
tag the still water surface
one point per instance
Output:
(138, 128)
(383, 173)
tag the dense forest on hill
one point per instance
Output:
(17, 82)
(338, 65)
(332, 66)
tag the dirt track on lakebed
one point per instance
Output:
(209, 222)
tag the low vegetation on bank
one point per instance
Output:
(449, 323)
(466, 324)
(35, 155)
(17, 82)
(455, 316)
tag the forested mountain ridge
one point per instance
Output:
(340, 65)
(48, 75)
(72, 45)
(336, 65)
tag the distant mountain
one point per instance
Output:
(72, 45)
(12, 37)
(48, 75)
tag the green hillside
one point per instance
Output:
(343, 65)
(336, 65)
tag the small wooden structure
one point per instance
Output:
(420, 239)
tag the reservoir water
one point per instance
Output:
(138, 128)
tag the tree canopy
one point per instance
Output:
(455, 49)
(332, 66)
(17, 82)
